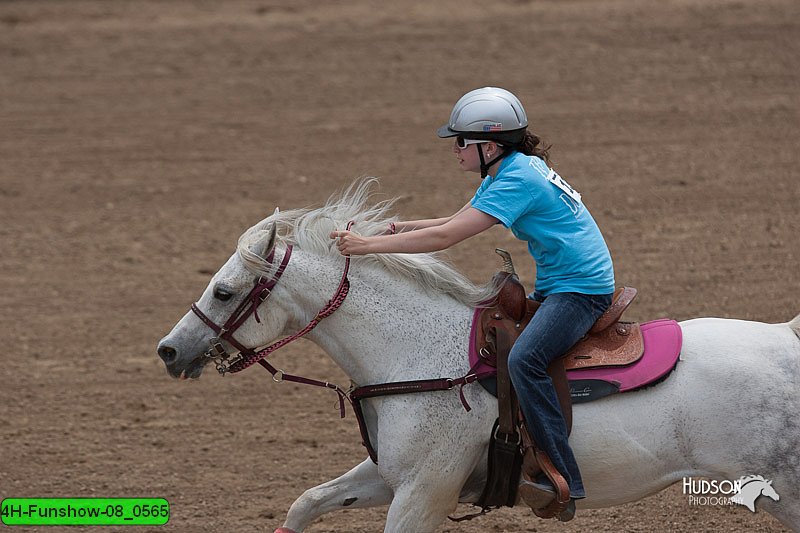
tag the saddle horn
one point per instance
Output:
(508, 265)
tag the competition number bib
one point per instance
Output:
(559, 182)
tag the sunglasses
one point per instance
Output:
(462, 143)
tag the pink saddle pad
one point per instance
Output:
(662, 347)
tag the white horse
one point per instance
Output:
(729, 409)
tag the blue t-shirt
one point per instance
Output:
(541, 208)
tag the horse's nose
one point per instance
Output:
(168, 354)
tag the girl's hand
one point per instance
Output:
(430, 239)
(350, 243)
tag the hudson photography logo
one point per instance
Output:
(743, 491)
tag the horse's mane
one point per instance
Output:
(309, 229)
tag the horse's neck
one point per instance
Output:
(388, 329)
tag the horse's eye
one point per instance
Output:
(222, 295)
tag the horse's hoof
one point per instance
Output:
(285, 530)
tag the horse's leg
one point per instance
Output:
(360, 487)
(416, 508)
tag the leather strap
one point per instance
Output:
(505, 459)
(421, 385)
(406, 387)
(506, 398)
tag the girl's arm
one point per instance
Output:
(411, 225)
(462, 225)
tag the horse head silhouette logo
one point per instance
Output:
(751, 487)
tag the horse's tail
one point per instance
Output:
(795, 325)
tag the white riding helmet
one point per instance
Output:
(489, 113)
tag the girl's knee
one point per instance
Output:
(524, 362)
(515, 362)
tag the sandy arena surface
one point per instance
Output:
(139, 139)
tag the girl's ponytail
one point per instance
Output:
(531, 144)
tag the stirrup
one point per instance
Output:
(535, 495)
(568, 513)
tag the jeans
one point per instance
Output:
(561, 321)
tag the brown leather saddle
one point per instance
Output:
(608, 343)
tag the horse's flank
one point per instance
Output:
(309, 229)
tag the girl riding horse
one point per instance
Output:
(574, 271)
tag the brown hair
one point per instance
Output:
(531, 144)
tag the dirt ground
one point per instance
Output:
(139, 139)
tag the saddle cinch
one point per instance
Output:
(512, 451)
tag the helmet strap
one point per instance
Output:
(484, 165)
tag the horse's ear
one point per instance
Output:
(264, 247)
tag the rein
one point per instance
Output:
(225, 363)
